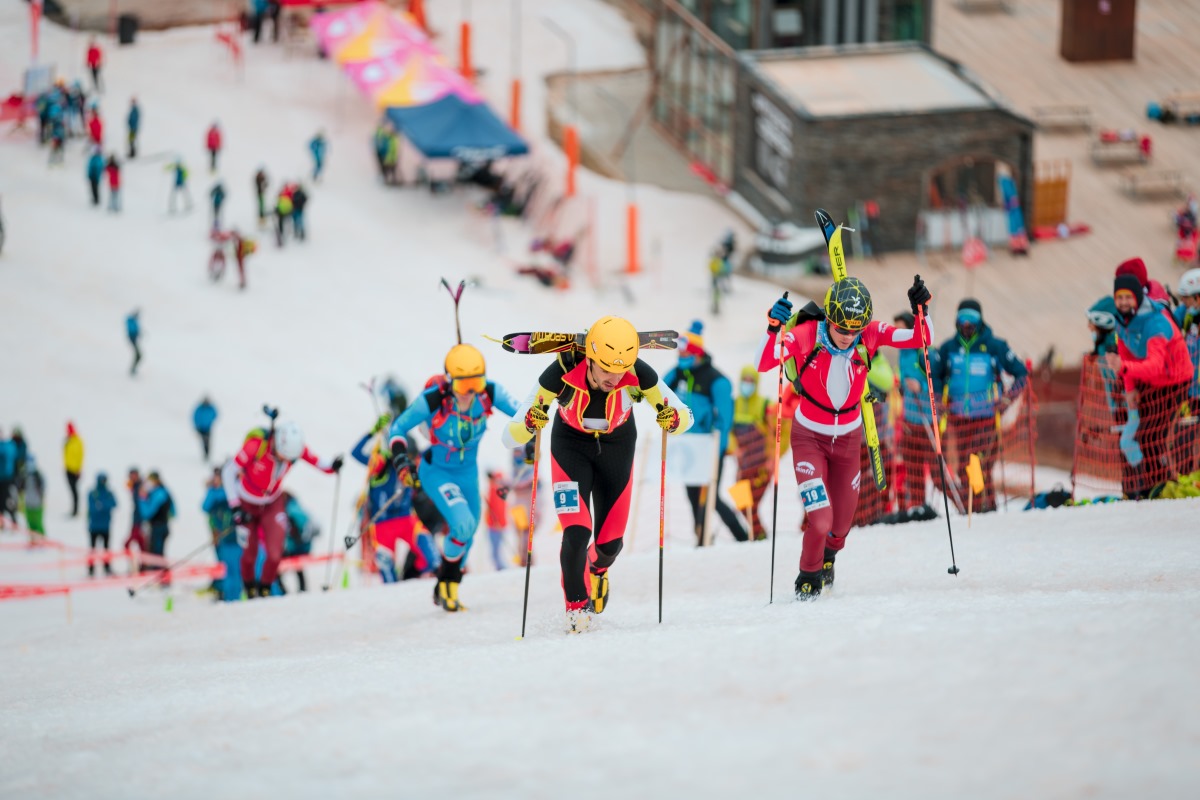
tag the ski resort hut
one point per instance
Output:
(893, 133)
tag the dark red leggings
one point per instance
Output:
(268, 525)
(828, 474)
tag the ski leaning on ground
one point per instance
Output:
(542, 342)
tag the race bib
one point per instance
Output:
(451, 494)
(566, 497)
(813, 495)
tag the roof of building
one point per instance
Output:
(871, 80)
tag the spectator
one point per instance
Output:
(95, 171)
(707, 392)
(134, 123)
(299, 201)
(260, 191)
(224, 536)
(1187, 315)
(497, 515)
(113, 170)
(258, 11)
(381, 140)
(8, 478)
(971, 365)
(95, 61)
(283, 212)
(317, 146)
(242, 249)
(156, 508)
(302, 530)
(1152, 289)
(73, 464)
(96, 129)
(34, 491)
(203, 418)
(212, 143)
(1153, 366)
(916, 427)
(217, 194)
(179, 176)
(137, 533)
(133, 329)
(754, 435)
(101, 502)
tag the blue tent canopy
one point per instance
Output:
(453, 128)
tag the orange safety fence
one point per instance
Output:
(1119, 455)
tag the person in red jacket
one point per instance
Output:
(253, 481)
(213, 142)
(96, 128)
(95, 60)
(832, 351)
(113, 170)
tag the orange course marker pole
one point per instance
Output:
(571, 148)
(514, 116)
(464, 51)
(632, 266)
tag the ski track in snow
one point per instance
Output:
(1059, 664)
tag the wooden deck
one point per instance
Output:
(1041, 299)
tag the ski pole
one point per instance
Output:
(537, 457)
(662, 518)
(337, 486)
(353, 540)
(937, 437)
(778, 437)
(165, 571)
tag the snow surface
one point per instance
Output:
(1059, 663)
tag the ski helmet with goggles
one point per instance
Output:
(466, 369)
(612, 343)
(1189, 283)
(289, 441)
(848, 305)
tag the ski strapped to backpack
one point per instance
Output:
(542, 342)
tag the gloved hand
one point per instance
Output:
(529, 452)
(918, 295)
(405, 473)
(400, 459)
(536, 418)
(668, 417)
(240, 518)
(336, 465)
(502, 492)
(779, 314)
(381, 423)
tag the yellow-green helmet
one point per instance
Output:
(848, 305)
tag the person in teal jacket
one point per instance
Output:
(970, 373)
(100, 504)
(916, 419)
(224, 536)
(456, 408)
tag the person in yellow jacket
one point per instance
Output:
(592, 445)
(751, 431)
(73, 464)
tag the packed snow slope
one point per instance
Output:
(1058, 664)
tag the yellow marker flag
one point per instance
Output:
(975, 474)
(743, 498)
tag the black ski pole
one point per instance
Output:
(166, 571)
(778, 437)
(937, 438)
(537, 457)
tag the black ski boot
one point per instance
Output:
(808, 585)
(827, 567)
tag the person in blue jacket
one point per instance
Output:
(224, 537)
(95, 172)
(217, 195)
(456, 408)
(203, 418)
(8, 479)
(100, 504)
(134, 123)
(389, 508)
(709, 394)
(970, 377)
(301, 532)
(133, 329)
(317, 146)
(156, 508)
(916, 428)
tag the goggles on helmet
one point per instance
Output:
(468, 384)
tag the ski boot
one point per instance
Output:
(579, 618)
(808, 585)
(445, 593)
(598, 592)
(827, 567)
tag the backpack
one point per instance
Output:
(1056, 497)
(446, 399)
(265, 446)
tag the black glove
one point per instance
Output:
(779, 314)
(529, 452)
(918, 294)
(336, 466)
(400, 457)
(240, 518)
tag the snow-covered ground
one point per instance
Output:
(1058, 664)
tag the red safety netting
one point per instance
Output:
(1122, 455)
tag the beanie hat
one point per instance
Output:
(1135, 267)
(692, 342)
(1128, 283)
(970, 311)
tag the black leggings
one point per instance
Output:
(593, 472)
(73, 485)
(697, 497)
